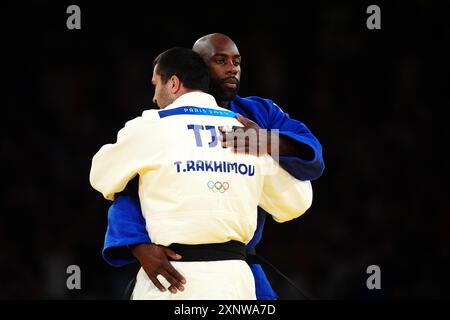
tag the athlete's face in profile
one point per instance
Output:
(162, 97)
(224, 63)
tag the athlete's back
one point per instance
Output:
(193, 191)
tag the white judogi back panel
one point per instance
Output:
(193, 191)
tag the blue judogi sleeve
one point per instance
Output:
(302, 169)
(269, 116)
(126, 226)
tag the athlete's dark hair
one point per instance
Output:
(184, 63)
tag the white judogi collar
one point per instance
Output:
(194, 98)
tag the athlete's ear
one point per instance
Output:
(175, 84)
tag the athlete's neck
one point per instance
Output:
(224, 104)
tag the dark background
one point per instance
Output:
(375, 99)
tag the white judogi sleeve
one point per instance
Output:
(115, 164)
(283, 196)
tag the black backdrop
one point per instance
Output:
(376, 100)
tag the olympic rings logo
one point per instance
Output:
(218, 186)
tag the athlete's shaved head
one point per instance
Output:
(207, 45)
(224, 62)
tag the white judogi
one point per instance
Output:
(193, 191)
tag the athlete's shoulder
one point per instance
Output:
(151, 114)
(148, 116)
(257, 104)
(253, 100)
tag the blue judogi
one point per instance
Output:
(126, 225)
